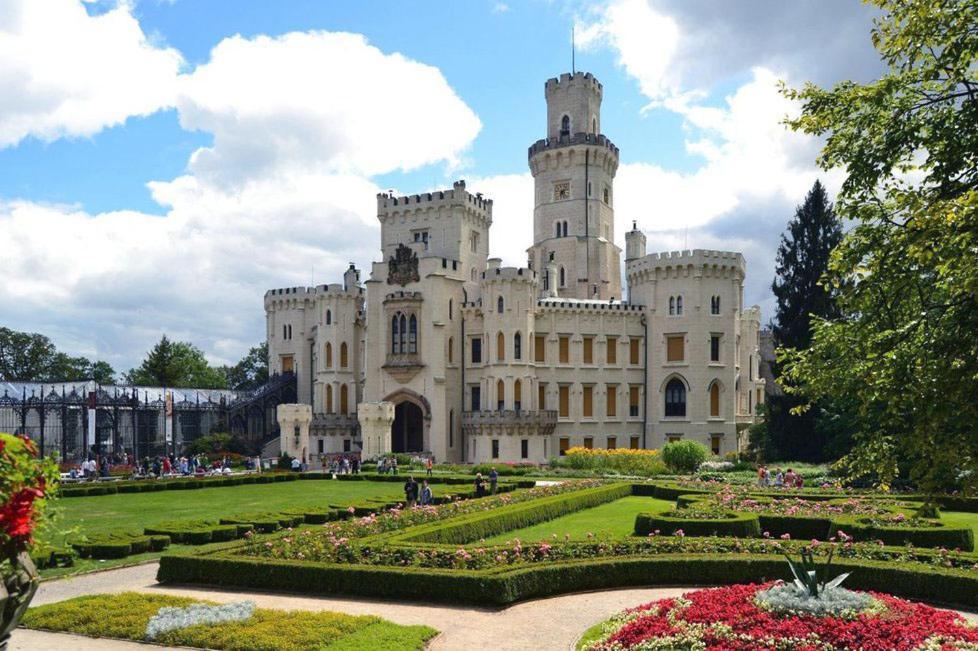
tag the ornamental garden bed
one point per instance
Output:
(737, 618)
(238, 626)
(438, 553)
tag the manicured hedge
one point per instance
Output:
(197, 532)
(474, 526)
(936, 535)
(118, 545)
(183, 483)
(545, 579)
(737, 525)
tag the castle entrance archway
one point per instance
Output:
(407, 430)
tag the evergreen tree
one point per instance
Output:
(177, 364)
(803, 258)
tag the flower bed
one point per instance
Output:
(621, 460)
(400, 553)
(128, 615)
(734, 619)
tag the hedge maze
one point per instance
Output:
(439, 553)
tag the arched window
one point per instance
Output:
(500, 395)
(715, 305)
(451, 350)
(517, 395)
(594, 124)
(606, 196)
(546, 280)
(499, 305)
(565, 126)
(344, 359)
(344, 400)
(329, 355)
(329, 398)
(413, 338)
(679, 306)
(715, 400)
(517, 346)
(500, 347)
(672, 305)
(329, 317)
(395, 335)
(750, 368)
(563, 282)
(402, 334)
(556, 229)
(565, 228)
(450, 310)
(675, 398)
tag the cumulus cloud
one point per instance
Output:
(283, 197)
(67, 73)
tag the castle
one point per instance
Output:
(444, 351)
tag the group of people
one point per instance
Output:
(480, 483)
(417, 494)
(341, 465)
(778, 479)
(387, 466)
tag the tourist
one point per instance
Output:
(493, 480)
(761, 476)
(480, 485)
(779, 479)
(425, 493)
(789, 478)
(167, 466)
(410, 491)
(296, 465)
(393, 465)
(427, 466)
(356, 465)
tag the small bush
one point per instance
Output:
(684, 456)
(738, 525)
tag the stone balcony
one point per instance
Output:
(341, 424)
(510, 421)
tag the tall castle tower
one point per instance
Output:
(573, 218)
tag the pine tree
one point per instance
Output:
(803, 258)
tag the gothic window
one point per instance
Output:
(517, 395)
(451, 350)
(546, 280)
(679, 306)
(715, 305)
(329, 399)
(413, 336)
(329, 317)
(499, 305)
(675, 398)
(517, 346)
(556, 229)
(562, 278)
(344, 400)
(450, 310)
(396, 334)
(715, 400)
(500, 395)
(329, 355)
(500, 347)
(607, 196)
(594, 125)
(672, 305)
(344, 360)
(565, 229)
(565, 126)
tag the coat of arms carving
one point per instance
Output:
(402, 267)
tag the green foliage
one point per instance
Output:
(118, 545)
(177, 364)
(26, 485)
(125, 616)
(251, 372)
(904, 350)
(924, 534)
(810, 577)
(737, 525)
(32, 357)
(684, 456)
(217, 444)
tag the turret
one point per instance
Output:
(634, 244)
(351, 279)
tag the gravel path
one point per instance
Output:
(544, 624)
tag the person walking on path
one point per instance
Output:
(425, 493)
(493, 480)
(480, 486)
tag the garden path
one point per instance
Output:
(544, 624)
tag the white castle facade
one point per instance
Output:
(444, 351)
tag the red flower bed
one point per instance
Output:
(728, 619)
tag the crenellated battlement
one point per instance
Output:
(568, 80)
(581, 138)
(645, 267)
(291, 296)
(509, 274)
(386, 201)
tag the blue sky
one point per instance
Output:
(162, 163)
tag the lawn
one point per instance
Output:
(125, 616)
(612, 520)
(135, 511)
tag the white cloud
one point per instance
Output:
(66, 73)
(512, 214)
(301, 123)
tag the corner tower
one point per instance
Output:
(573, 171)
